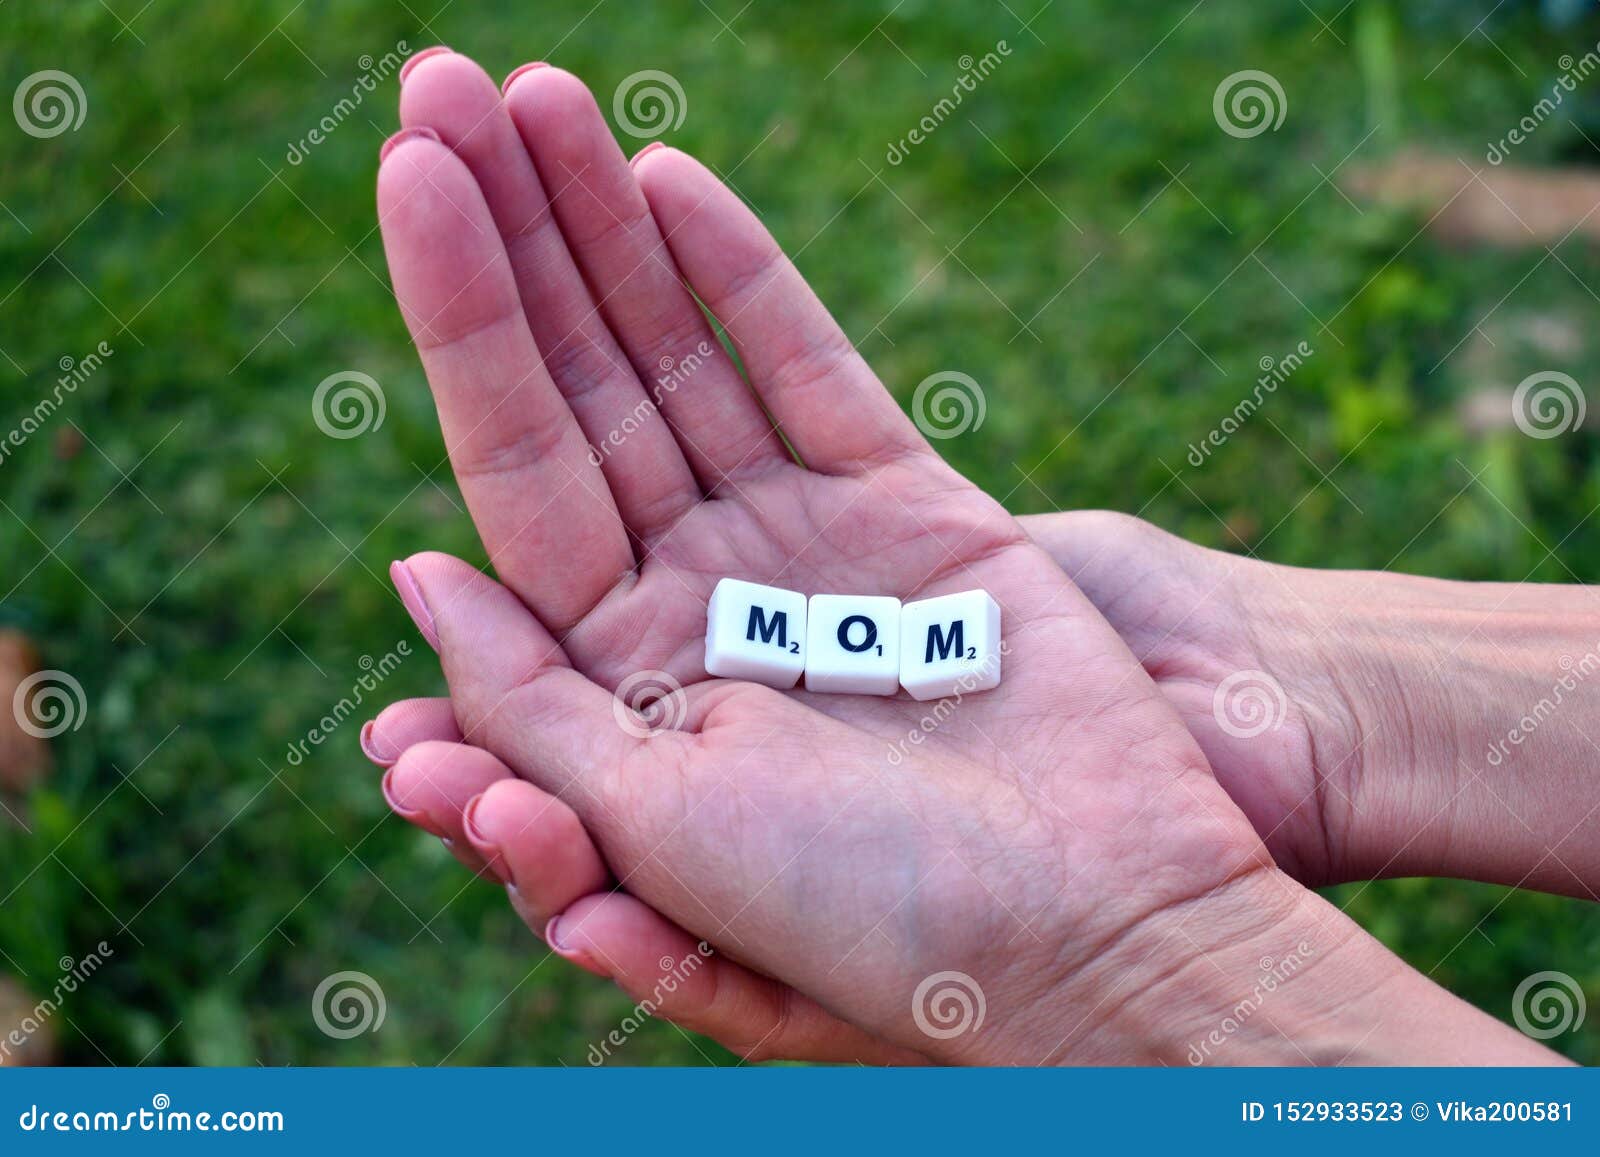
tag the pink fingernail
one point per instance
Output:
(418, 133)
(485, 847)
(417, 58)
(518, 71)
(646, 151)
(552, 937)
(409, 814)
(405, 583)
(373, 749)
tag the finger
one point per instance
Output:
(410, 721)
(514, 691)
(432, 781)
(610, 231)
(515, 694)
(651, 481)
(650, 958)
(826, 401)
(542, 508)
(535, 845)
(1139, 577)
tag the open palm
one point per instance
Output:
(1045, 836)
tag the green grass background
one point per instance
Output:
(217, 601)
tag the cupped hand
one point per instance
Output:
(1197, 620)
(1180, 607)
(1045, 838)
(1083, 881)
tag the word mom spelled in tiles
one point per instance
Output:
(853, 644)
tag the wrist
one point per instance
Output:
(1454, 725)
(1275, 975)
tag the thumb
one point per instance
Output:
(514, 690)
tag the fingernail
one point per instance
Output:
(488, 849)
(409, 814)
(417, 58)
(518, 71)
(417, 133)
(646, 151)
(552, 937)
(405, 584)
(373, 749)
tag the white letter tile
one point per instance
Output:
(950, 644)
(756, 633)
(853, 644)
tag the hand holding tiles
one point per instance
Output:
(1065, 811)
